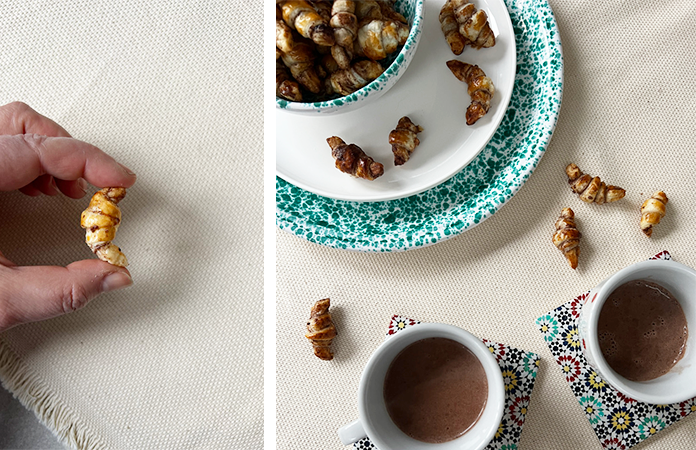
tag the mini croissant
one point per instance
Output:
(473, 24)
(652, 211)
(380, 37)
(101, 220)
(301, 16)
(592, 189)
(286, 86)
(403, 140)
(481, 88)
(450, 28)
(321, 330)
(347, 81)
(352, 160)
(567, 237)
(300, 61)
(345, 26)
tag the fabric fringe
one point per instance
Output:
(33, 393)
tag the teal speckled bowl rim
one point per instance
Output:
(475, 193)
(376, 85)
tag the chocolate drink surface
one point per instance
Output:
(642, 330)
(435, 390)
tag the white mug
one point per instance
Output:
(375, 422)
(679, 383)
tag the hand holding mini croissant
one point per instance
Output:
(101, 220)
(567, 237)
(63, 165)
(652, 211)
(321, 330)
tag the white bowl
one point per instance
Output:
(397, 65)
(678, 384)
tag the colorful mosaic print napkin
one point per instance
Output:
(519, 370)
(620, 422)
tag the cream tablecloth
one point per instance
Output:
(173, 90)
(628, 115)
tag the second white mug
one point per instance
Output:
(678, 384)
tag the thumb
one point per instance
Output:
(29, 294)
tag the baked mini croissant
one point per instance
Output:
(101, 220)
(652, 211)
(450, 28)
(286, 87)
(592, 189)
(322, 7)
(481, 88)
(387, 10)
(345, 25)
(321, 329)
(380, 37)
(352, 160)
(473, 24)
(350, 80)
(300, 61)
(284, 39)
(367, 9)
(403, 140)
(301, 16)
(567, 237)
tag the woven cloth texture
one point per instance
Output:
(628, 110)
(172, 89)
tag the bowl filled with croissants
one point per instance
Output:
(336, 55)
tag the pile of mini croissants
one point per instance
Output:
(324, 47)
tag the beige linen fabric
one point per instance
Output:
(628, 116)
(172, 90)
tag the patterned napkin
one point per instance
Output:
(519, 370)
(620, 422)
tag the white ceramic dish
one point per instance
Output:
(375, 422)
(678, 384)
(430, 95)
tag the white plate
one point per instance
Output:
(430, 95)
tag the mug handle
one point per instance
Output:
(351, 433)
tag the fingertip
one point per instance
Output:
(130, 176)
(30, 190)
(116, 280)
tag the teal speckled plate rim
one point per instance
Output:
(475, 193)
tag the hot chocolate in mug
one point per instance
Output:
(375, 421)
(679, 383)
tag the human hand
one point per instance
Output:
(38, 156)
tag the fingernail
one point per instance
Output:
(127, 170)
(116, 280)
(82, 184)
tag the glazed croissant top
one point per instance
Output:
(101, 220)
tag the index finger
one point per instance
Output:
(20, 118)
(25, 157)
